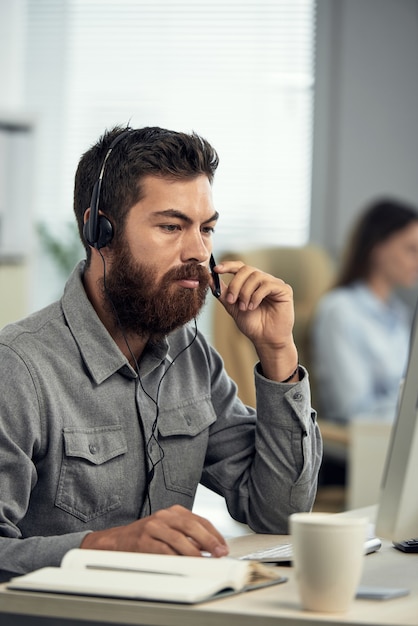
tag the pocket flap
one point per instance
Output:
(96, 445)
(189, 419)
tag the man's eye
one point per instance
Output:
(209, 230)
(170, 227)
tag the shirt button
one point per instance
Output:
(297, 396)
(92, 448)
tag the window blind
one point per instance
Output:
(238, 72)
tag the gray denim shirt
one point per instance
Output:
(80, 433)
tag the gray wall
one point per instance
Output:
(366, 111)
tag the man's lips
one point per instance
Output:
(189, 283)
(191, 277)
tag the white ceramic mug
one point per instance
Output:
(328, 555)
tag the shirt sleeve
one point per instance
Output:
(264, 463)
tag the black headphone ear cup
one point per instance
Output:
(105, 234)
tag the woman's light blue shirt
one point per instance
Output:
(360, 348)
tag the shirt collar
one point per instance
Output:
(98, 350)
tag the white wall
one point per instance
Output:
(366, 110)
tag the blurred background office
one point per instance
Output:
(312, 105)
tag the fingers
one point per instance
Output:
(185, 533)
(250, 286)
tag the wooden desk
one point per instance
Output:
(274, 606)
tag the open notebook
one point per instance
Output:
(148, 576)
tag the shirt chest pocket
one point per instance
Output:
(183, 435)
(92, 471)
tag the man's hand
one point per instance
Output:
(262, 307)
(169, 531)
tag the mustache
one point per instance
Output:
(189, 271)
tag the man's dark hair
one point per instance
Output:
(147, 151)
(382, 219)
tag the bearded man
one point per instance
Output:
(113, 406)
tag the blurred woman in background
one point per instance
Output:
(361, 328)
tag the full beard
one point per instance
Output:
(141, 305)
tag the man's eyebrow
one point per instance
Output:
(214, 218)
(182, 216)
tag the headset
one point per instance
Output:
(98, 230)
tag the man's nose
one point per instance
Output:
(196, 248)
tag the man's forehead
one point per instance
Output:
(168, 195)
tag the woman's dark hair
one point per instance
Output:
(376, 224)
(142, 152)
